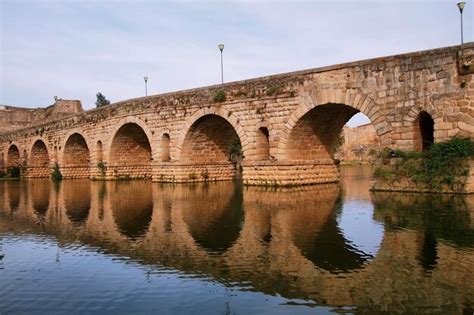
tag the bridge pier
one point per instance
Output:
(179, 172)
(290, 173)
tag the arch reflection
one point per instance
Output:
(77, 200)
(132, 207)
(13, 191)
(40, 193)
(214, 215)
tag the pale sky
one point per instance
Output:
(73, 49)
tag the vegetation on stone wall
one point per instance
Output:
(11, 172)
(102, 168)
(337, 144)
(56, 173)
(220, 96)
(445, 165)
(235, 149)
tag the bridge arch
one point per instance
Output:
(13, 156)
(131, 149)
(76, 156)
(38, 161)
(424, 131)
(209, 134)
(313, 127)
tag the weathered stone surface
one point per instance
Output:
(286, 123)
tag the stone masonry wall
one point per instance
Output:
(360, 144)
(14, 118)
(390, 91)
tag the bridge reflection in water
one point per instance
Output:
(335, 246)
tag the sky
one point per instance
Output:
(74, 49)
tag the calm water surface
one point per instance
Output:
(138, 247)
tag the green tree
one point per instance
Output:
(101, 100)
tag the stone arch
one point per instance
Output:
(130, 120)
(76, 157)
(262, 144)
(413, 118)
(99, 151)
(13, 156)
(130, 150)
(329, 110)
(165, 147)
(224, 115)
(424, 131)
(38, 161)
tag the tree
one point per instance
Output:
(101, 100)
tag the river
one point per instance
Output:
(221, 248)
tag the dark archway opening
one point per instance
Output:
(314, 135)
(76, 157)
(165, 148)
(263, 144)
(130, 153)
(424, 135)
(210, 139)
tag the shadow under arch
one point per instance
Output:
(131, 151)
(132, 207)
(314, 134)
(76, 157)
(214, 215)
(13, 156)
(77, 200)
(209, 139)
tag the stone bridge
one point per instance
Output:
(286, 124)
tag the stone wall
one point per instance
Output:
(286, 123)
(13, 118)
(361, 144)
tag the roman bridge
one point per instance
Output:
(284, 125)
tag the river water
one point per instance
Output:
(139, 247)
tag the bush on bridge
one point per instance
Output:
(443, 165)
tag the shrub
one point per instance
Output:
(219, 97)
(273, 90)
(56, 173)
(102, 168)
(13, 172)
(444, 164)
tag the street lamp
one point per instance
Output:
(146, 90)
(461, 8)
(221, 48)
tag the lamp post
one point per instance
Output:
(146, 90)
(221, 48)
(461, 8)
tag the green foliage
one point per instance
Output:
(220, 96)
(235, 148)
(273, 90)
(337, 144)
(102, 168)
(443, 165)
(101, 100)
(13, 172)
(3, 174)
(56, 173)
